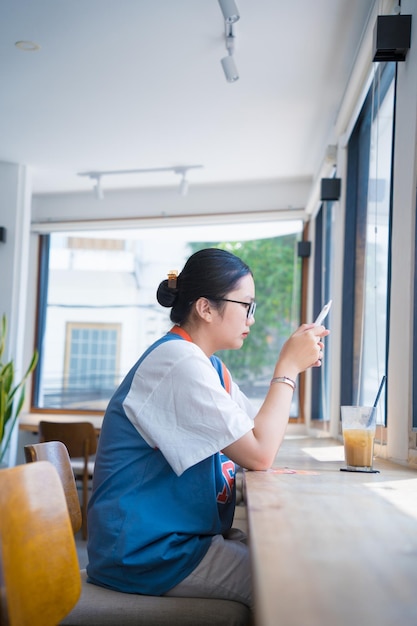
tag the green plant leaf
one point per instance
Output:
(10, 406)
(3, 335)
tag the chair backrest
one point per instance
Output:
(80, 438)
(39, 561)
(56, 453)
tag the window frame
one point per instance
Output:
(321, 377)
(414, 380)
(355, 240)
(44, 258)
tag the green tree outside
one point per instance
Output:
(276, 269)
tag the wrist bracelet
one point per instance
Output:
(285, 380)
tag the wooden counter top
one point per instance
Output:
(29, 422)
(332, 548)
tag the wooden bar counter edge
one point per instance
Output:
(332, 548)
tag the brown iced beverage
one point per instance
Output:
(358, 426)
(359, 447)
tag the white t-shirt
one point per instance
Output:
(178, 405)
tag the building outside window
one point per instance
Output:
(91, 362)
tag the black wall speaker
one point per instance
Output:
(330, 188)
(2, 234)
(304, 249)
(392, 37)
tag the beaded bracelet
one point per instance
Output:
(286, 380)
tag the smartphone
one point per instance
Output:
(321, 316)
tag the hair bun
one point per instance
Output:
(165, 295)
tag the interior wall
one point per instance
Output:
(15, 198)
(400, 363)
(282, 197)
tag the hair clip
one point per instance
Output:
(172, 279)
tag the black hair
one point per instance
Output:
(210, 273)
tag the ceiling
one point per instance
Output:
(127, 84)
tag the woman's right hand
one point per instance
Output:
(303, 349)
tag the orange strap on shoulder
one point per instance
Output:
(227, 379)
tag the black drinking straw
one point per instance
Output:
(376, 399)
(379, 391)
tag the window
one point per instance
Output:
(414, 424)
(98, 311)
(367, 246)
(91, 363)
(322, 279)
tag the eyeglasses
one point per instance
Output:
(250, 305)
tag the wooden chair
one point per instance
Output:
(80, 439)
(56, 453)
(103, 607)
(40, 571)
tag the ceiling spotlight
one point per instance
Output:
(183, 188)
(177, 169)
(27, 46)
(230, 69)
(99, 189)
(229, 10)
(228, 63)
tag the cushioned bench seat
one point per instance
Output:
(103, 607)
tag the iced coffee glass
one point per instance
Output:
(358, 426)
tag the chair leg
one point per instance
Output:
(85, 502)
